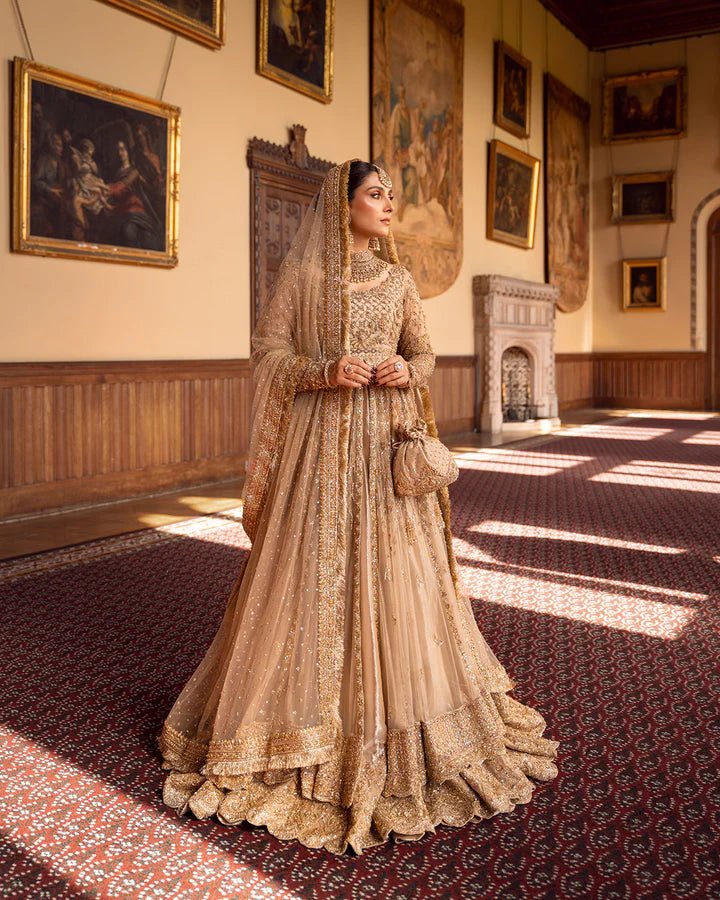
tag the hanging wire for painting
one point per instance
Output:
(546, 49)
(23, 29)
(171, 54)
(520, 27)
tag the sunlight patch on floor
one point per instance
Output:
(519, 462)
(619, 611)
(101, 841)
(616, 432)
(513, 529)
(708, 438)
(679, 477)
(670, 414)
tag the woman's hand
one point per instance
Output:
(359, 377)
(388, 376)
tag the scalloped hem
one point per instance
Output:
(293, 805)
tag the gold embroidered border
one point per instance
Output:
(258, 749)
(346, 801)
(273, 430)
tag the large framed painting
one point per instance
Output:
(643, 197)
(513, 181)
(644, 106)
(513, 81)
(643, 284)
(295, 45)
(96, 170)
(567, 193)
(200, 20)
(417, 109)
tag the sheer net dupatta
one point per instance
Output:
(228, 723)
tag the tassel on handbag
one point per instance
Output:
(422, 464)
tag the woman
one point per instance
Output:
(348, 694)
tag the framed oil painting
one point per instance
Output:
(416, 122)
(200, 20)
(295, 45)
(567, 194)
(645, 106)
(513, 80)
(513, 182)
(95, 170)
(643, 284)
(643, 197)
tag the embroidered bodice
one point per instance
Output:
(386, 317)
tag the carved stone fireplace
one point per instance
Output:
(514, 344)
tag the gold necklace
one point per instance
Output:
(364, 266)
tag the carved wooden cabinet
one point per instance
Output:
(283, 180)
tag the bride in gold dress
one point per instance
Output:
(348, 694)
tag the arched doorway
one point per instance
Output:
(712, 390)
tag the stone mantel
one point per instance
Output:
(512, 312)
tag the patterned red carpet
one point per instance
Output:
(594, 559)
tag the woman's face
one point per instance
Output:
(122, 152)
(371, 208)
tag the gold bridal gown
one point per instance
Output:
(425, 731)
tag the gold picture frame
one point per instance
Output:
(513, 90)
(643, 197)
(513, 183)
(95, 170)
(645, 106)
(295, 48)
(207, 29)
(644, 284)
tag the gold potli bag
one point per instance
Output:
(421, 464)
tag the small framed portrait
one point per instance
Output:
(643, 284)
(95, 170)
(643, 197)
(295, 45)
(513, 79)
(200, 20)
(643, 107)
(513, 180)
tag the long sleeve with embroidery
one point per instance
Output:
(414, 344)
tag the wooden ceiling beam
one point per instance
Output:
(606, 24)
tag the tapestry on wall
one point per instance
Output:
(417, 93)
(95, 170)
(567, 193)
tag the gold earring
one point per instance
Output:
(374, 243)
(351, 239)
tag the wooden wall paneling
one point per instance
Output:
(574, 380)
(650, 380)
(453, 393)
(73, 433)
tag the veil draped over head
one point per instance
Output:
(304, 322)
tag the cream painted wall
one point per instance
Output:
(78, 310)
(698, 174)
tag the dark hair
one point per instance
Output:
(359, 171)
